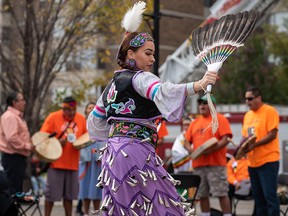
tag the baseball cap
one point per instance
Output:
(204, 98)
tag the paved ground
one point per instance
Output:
(244, 208)
(57, 210)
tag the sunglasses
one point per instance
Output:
(202, 103)
(249, 98)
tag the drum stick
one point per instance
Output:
(230, 140)
(50, 136)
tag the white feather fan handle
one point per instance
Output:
(214, 67)
(133, 17)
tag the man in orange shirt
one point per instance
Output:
(237, 172)
(211, 165)
(162, 132)
(262, 120)
(62, 176)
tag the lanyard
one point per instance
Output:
(67, 128)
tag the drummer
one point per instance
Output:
(237, 172)
(262, 120)
(211, 164)
(62, 176)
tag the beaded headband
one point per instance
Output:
(140, 39)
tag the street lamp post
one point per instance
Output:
(156, 18)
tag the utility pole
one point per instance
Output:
(156, 18)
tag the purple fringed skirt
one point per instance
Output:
(134, 181)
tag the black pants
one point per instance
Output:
(15, 167)
(12, 211)
(7, 207)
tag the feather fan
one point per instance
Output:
(133, 17)
(215, 42)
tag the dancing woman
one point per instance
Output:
(133, 179)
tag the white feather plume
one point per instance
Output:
(133, 17)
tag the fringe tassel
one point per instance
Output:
(214, 124)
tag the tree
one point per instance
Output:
(262, 62)
(41, 35)
(278, 48)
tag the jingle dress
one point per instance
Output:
(133, 179)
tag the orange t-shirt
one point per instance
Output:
(55, 122)
(197, 135)
(260, 122)
(237, 170)
(162, 130)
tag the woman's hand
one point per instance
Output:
(208, 78)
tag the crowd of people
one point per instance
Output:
(218, 178)
(62, 174)
(124, 126)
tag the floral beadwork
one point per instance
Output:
(122, 108)
(140, 39)
(111, 96)
(134, 130)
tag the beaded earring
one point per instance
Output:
(131, 63)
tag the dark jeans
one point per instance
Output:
(15, 167)
(264, 189)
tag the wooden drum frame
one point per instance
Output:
(201, 149)
(240, 151)
(47, 148)
(83, 141)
